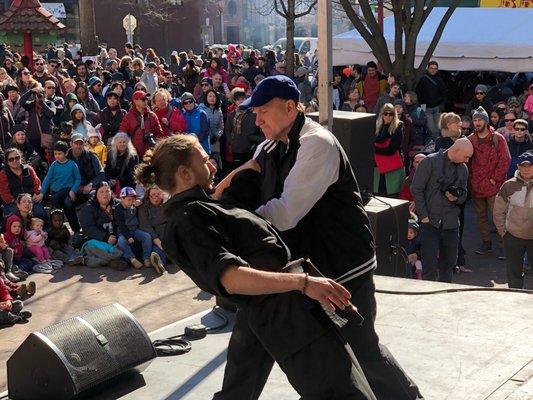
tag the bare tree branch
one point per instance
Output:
(308, 11)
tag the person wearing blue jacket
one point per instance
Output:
(197, 121)
(63, 179)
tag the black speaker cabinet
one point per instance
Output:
(388, 219)
(77, 355)
(356, 133)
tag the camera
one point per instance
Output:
(454, 191)
(149, 138)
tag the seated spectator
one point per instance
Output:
(13, 104)
(121, 162)
(111, 116)
(354, 100)
(11, 311)
(513, 208)
(418, 116)
(80, 124)
(41, 114)
(20, 142)
(63, 179)
(121, 91)
(60, 241)
(50, 93)
(35, 242)
(91, 171)
(507, 130)
(392, 95)
(7, 270)
(17, 178)
(519, 143)
(98, 223)
(95, 90)
(70, 101)
(171, 118)
(413, 267)
(95, 145)
(150, 78)
(6, 123)
(480, 100)
(496, 118)
(129, 231)
(152, 219)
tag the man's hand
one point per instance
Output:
(131, 240)
(450, 196)
(425, 220)
(37, 198)
(492, 181)
(158, 243)
(112, 239)
(328, 292)
(72, 195)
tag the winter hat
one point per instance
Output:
(127, 192)
(480, 113)
(413, 225)
(187, 96)
(481, 88)
(71, 97)
(94, 132)
(513, 100)
(117, 76)
(93, 81)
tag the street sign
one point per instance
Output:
(129, 23)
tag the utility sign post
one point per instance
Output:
(129, 23)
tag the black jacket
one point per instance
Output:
(122, 171)
(95, 222)
(110, 122)
(431, 91)
(248, 138)
(90, 169)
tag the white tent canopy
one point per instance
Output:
(475, 39)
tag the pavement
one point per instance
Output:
(159, 301)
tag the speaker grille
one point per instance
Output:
(100, 344)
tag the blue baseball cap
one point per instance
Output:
(526, 157)
(277, 86)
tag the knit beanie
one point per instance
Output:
(481, 88)
(481, 114)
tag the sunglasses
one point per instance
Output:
(188, 102)
(50, 87)
(206, 84)
(509, 120)
(53, 65)
(38, 64)
(388, 114)
(479, 93)
(520, 129)
(26, 73)
(11, 159)
(464, 129)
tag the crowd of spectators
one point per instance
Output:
(73, 130)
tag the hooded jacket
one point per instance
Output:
(80, 127)
(16, 242)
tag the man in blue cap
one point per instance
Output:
(309, 193)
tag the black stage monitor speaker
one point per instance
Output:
(388, 219)
(76, 356)
(356, 133)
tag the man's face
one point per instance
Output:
(206, 86)
(127, 202)
(217, 80)
(519, 131)
(526, 171)
(261, 63)
(394, 90)
(479, 124)
(81, 70)
(13, 95)
(202, 170)
(189, 105)
(77, 147)
(39, 66)
(515, 108)
(274, 118)
(465, 127)
(97, 87)
(371, 71)
(50, 89)
(433, 69)
(112, 53)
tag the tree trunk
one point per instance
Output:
(87, 28)
(289, 53)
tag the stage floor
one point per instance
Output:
(456, 346)
(460, 346)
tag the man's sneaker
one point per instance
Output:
(22, 290)
(55, 264)
(31, 288)
(19, 272)
(12, 277)
(118, 264)
(147, 263)
(136, 263)
(25, 314)
(78, 260)
(13, 319)
(155, 259)
(43, 268)
(485, 248)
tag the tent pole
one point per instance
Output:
(325, 75)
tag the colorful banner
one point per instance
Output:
(506, 3)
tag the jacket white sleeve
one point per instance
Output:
(316, 168)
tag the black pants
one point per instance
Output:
(323, 368)
(515, 249)
(386, 377)
(62, 200)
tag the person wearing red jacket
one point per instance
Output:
(171, 118)
(487, 172)
(141, 124)
(11, 311)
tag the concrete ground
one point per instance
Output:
(159, 301)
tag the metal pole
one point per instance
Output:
(325, 73)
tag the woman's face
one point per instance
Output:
(214, 64)
(354, 95)
(388, 116)
(455, 127)
(103, 196)
(211, 99)
(156, 197)
(19, 137)
(25, 75)
(118, 90)
(160, 101)
(407, 99)
(81, 93)
(25, 205)
(122, 145)
(519, 131)
(494, 118)
(509, 120)
(13, 159)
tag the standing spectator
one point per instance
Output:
(432, 94)
(205, 85)
(372, 86)
(480, 100)
(197, 122)
(215, 66)
(338, 93)
(50, 92)
(439, 186)
(354, 100)
(111, 116)
(418, 116)
(488, 170)
(121, 162)
(141, 124)
(191, 77)
(41, 113)
(95, 90)
(354, 76)
(519, 143)
(507, 130)
(41, 75)
(389, 172)
(150, 78)
(212, 108)
(390, 97)
(513, 208)
(301, 77)
(88, 102)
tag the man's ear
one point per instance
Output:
(183, 173)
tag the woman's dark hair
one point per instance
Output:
(21, 196)
(169, 155)
(12, 150)
(83, 86)
(217, 61)
(97, 188)
(218, 103)
(61, 146)
(173, 59)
